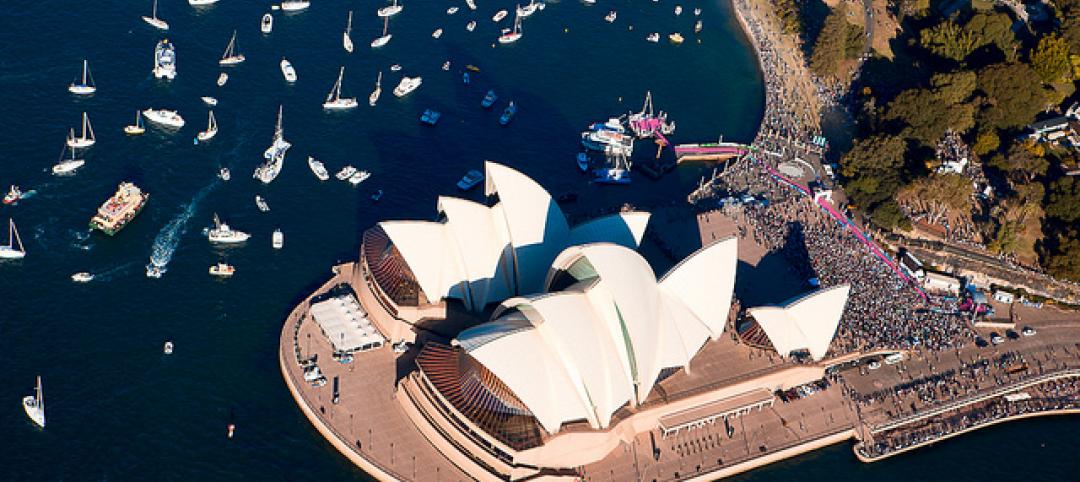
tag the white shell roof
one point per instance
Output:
(808, 322)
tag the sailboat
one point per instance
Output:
(86, 87)
(211, 129)
(137, 128)
(379, 42)
(69, 165)
(334, 100)
(527, 9)
(274, 155)
(154, 21)
(374, 97)
(231, 56)
(512, 35)
(346, 40)
(9, 250)
(34, 405)
(86, 139)
(390, 10)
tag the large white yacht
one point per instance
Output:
(407, 85)
(223, 234)
(165, 60)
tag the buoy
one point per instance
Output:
(232, 428)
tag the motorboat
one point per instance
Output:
(222, 79)
(653, 37)
(210, 101)
(167, 348)
(678, 10)
(470, 180)
(165, 60)
(385, 37)
(154, 21)
(274, 155)
(489, 99)
(508, 114)
(154, 271)
(318, 168)
(471, 4)
(222, 270)
(267, 23)
(86, 138)
(260, 203)
(288, 71)
(437, 33)
(294, 5)
(501, 14)
(232, 55)
(223, 234)
(200, 3)
(359, 177)
(164, 117)
(390, 10)
(451, 10)
(528, 9)
(395, 67)
(14, 248)
(82, 277)
(471, 25)
(697, 26)
(13, 195)
(374, 96)
(224, 174)
(697, 12)
(676, 38)
(86, 85)
(211, 129)
(446, 65)
(430, 117)
(407, 85)
(137, 128)
(583, 162)
(334, 100)
(34, 405)
(610, 17)
(345, 173)
(514, 34)
(277, 239)
(346, 37)
(69, 165)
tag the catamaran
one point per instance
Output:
(407, 85)
(137, 128)
(10, 251)
(223, 234)
(275, 154)
(382, 40)
(267, 23)
(527, 9)
(164, 117)
(390, 10)
(211, 129)
(288, 71)
(232, 55)
(346, 39)
(34, 405)
(86, 139)
(318, 168)
(165, 60)
(86, 86)
(334, 100)
(510, 36)
(154, 21)
(374, 97)
(294, 5)
(69, 165)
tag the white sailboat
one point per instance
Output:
(274, 155)
(232, 56)
(390, 10)
(34, 405)
(380, 41)
(86, 86)
(374, 97)
(334, 100)
(154, 21)
(9, 251)
(288, 71)
(527, 9)
(346, 39)
(512, 35)
(211, 129)
(86, 139)
(267, 23)
(137, 128)
(69, 165)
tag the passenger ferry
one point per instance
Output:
(120, 209)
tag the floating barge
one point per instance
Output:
(117, 211)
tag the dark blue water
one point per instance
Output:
(120, 410)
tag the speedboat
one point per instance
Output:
(222, 270)
(267, 24)
(583, 162)
(154, 271)
(489, 99)
(164, 117)
(288, 71)
(34, 405)
(318, 168)
(697, 12)
(210, 101)
(437, 33)
(395, 67)
(232, 55)
(470, 180)
(223, 234)
(390, 10)
(261, 204)
(224, 174)
(528, 9)
(501, 14)
(222, 79)
(471, 4)
(86, 85)
(359, 177)
(407, 85)
(345, 173)
(167, 348)
(678, 10)
(471, 25)
(137, 128)
(13, 195)
(82, 277)
(165, 60)
(508, 114)
(451, 10)
(676, 38)
(154, 21)
(277, 240)
(199, 3)
(653, 37)
(294, 5)
(610, 17)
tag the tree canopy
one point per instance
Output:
(1050, 59)
(1014, 95)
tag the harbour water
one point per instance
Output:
(119, 409)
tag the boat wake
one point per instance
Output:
(168, 239)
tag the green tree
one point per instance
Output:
(955, 87)
(949, 40)
(994, 28)
(838, 40)
(1022, 164)
(1014, 92)
(986, 142)
(1063, 260)
(1050, 59)
(1064, 200)
(928, 115)
(873, 168)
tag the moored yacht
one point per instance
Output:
(34, 405)
(334, 100)
(345, 173)
(222, 233)
(501, 14)
(529, 9)
(267, 23)
(374, 96)
(318, 168)
(165, 60)
(512, 35)
(222, 270)
(359, 177)
(69, 165)
(407, 85)
(164, 117)
(385, 37)
(211, 129)
(346, 37)
(277, 239)
(288, 71)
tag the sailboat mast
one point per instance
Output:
(13, 235)
(348, 25)
(153, 14)
(85, 69)
(279, 132)
(385, 25)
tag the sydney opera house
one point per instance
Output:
(526, 347)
